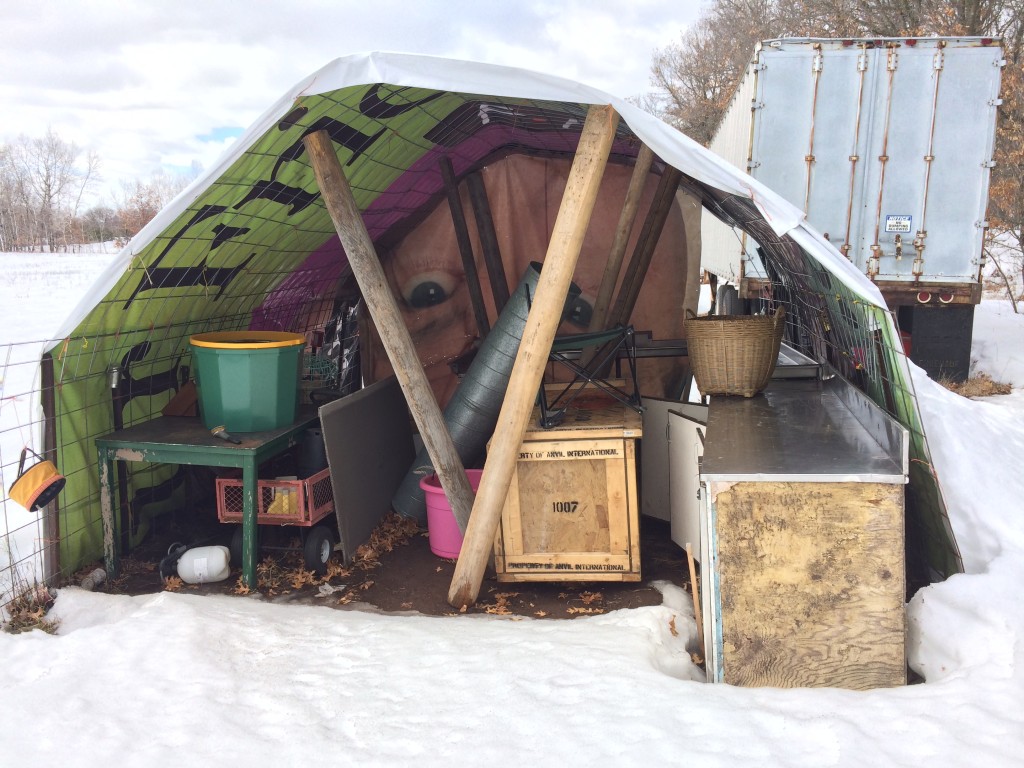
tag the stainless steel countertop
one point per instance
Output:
(801, 431)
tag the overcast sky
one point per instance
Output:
(163, 85)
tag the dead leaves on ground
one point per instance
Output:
(500, 606)
(281, 574)
(393, 531)
(584, 603)
(592, 603)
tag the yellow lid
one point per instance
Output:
(247, 339)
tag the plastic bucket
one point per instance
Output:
(38, 485)
(442, 530)
(248, 381)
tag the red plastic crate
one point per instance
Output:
(312, 499)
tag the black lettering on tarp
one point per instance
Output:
(372, 105)
(341, 133)
(189, 277)
(222, 233)
(357, 142)
(298, 198)
(156, 276)
(204, 213)
(290, 120)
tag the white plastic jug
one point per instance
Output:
(205, 564)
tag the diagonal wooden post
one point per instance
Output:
(488, 240)
(538, 334)
(451, 188)
(644, 161)
(645, 245)
(395, 336)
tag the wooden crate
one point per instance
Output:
(812, 583)
(571, 513)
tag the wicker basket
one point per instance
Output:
(733, 354)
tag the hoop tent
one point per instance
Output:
(251, 245)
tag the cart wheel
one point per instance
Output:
(318, 549)
(236, 547)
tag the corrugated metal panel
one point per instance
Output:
(884, 146)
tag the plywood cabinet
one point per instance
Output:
(804, 579)
(812, 583)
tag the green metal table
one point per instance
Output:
(184, 440)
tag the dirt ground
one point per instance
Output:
(397, 573)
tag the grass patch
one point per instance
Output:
(981, 385)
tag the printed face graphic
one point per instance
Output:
(425, 270)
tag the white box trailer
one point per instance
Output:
(886, 144)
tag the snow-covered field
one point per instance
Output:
(174, 679)
(36, 292)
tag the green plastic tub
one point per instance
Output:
(248, 381)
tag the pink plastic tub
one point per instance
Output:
(442, 530)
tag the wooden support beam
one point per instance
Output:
(645, 244)
(488, 240)
(698, 613)
(641, 169)
(51, 512)
(476, 296)
(394, 335)
(527, 370)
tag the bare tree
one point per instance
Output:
(697, 75)
(42, 182)
(140, 200)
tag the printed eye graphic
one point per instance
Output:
(428, 289)
(580, 311)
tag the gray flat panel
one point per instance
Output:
(369, 448)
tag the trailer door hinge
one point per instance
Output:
(983, 224)
(938, 60)
(754, 104)
(862, 62)
(989, 164)
(752, 164)
(995, 102)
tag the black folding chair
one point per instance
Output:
(588, 356)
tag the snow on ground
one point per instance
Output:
(175, 679)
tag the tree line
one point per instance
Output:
(44, 185)
(696, 76)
